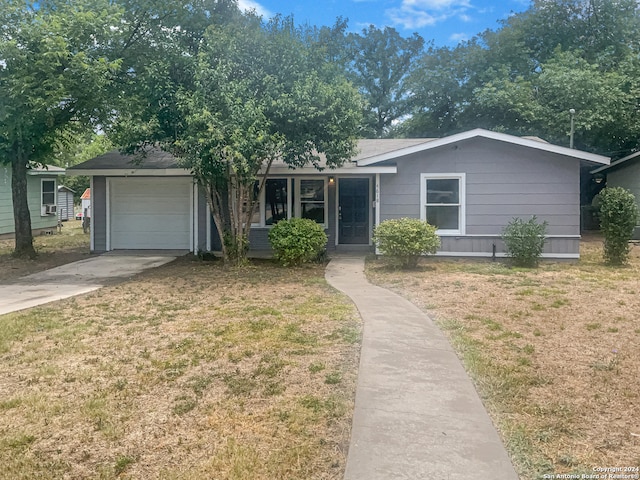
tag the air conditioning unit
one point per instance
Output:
(50, 209)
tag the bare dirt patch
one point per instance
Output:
(189, 371)
(70, 245)
(553, 351)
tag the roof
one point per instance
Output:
(529, 142)
(623, 162)
(370, 158)
(86, 195)
(46, 170)
(65, 188)
(151, 158)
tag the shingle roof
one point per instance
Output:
(153, 158)
(86, 195)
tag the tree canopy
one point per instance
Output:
(525, 77)
(251, 93)
(54, 75)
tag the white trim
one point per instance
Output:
(377, 200)
(502, 255)
(55, 196)
(481, 133)
(337, 210)
(615, 164)
(298, 204)
(194, 219)
(92, 242)
(355, 169)
(108, 229)
(132, 172)
(497, 235)
(462, 213)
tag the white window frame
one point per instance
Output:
(294, 208)
(263, 203)
(55, 195)
(461, 177)
(298, 203)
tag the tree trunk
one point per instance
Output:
(21, 216)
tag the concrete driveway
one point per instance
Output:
(77, 278)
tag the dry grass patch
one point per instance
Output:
(69, 245)
(189, 371)
(553, 351)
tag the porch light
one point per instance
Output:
(332, 180)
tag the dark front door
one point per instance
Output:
(353, 211)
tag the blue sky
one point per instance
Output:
(446, 22)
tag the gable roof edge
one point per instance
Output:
(615, 164)
(481, 133)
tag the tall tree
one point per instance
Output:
(524, 77)
(53, 74)
(254, 94)
(381, 62)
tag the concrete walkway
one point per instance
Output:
(417, 414)
(76, 278)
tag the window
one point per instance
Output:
(443, 197)
(312, 200)
(276, 200)
(48, 192)
(283, 198)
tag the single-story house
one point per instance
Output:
(470, 185)
(42, 185)
(65, 203)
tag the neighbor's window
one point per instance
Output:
(276, 205)
(48, 192)
(443, 202)
(312, 201)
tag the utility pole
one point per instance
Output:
(572, 112)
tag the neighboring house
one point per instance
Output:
(623, 173)
(85, 203)
(65, 203)
(470, 185)
(42, 185)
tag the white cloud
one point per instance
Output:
(413, 14)
(459, 37)
(436, 4)
(245, 5)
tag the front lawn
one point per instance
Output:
(189, 371)
(554, 352)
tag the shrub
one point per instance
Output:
(406, 239)
(618, 217)
(524, 241)
(297, 241)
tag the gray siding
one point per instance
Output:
(65, 205)
(502, 181)
(483, 246)
(99, 214)
(626, 177)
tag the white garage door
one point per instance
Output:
(150, 213)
